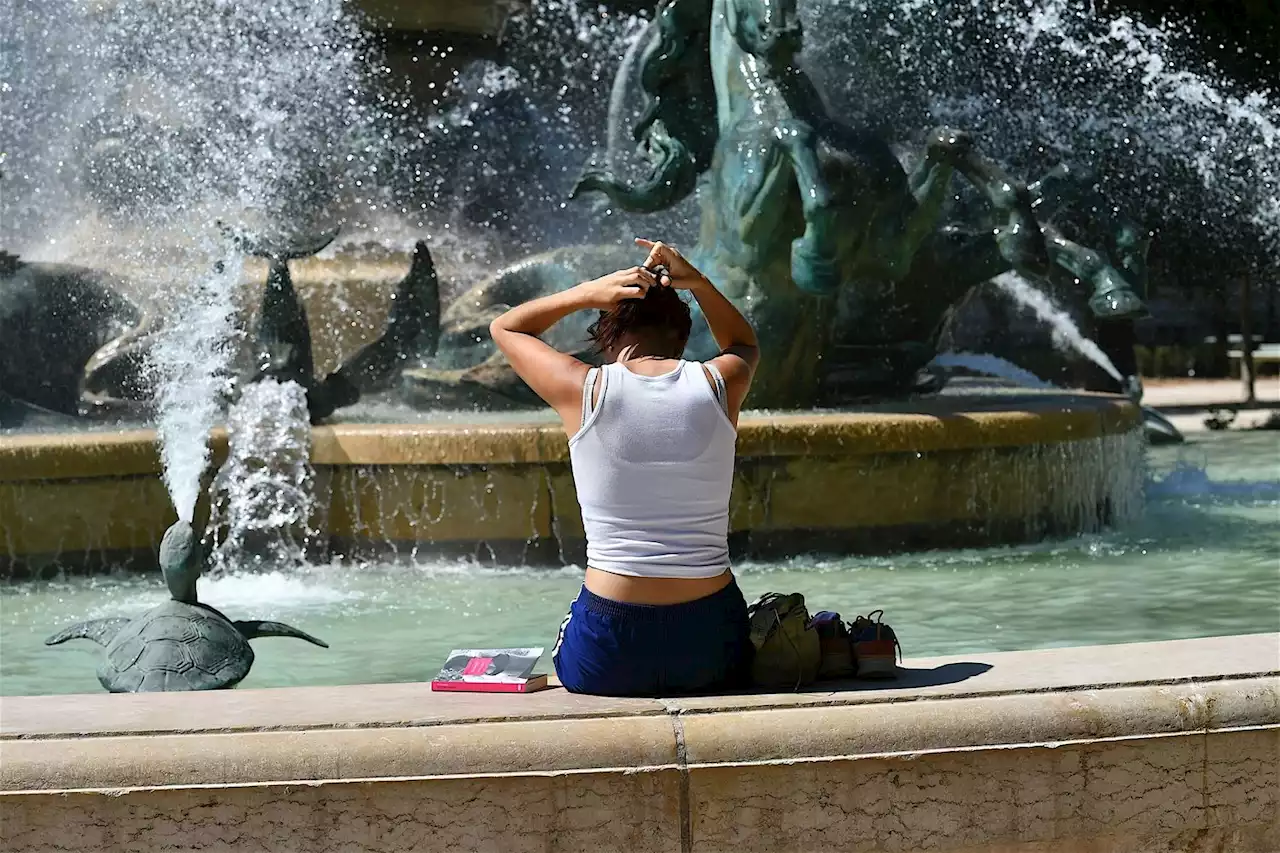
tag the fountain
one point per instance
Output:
(813, 226)
(251, 255)
(850, 248)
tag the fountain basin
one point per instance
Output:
(975, 468)
(1170, 746)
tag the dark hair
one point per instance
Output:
(661, 309)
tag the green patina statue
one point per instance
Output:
(836, 252)
(180, 644)
(814, 228)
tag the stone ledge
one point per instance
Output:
(407, 705)
(405, 731)
(1144, 747)
(761, 736)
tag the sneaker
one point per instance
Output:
(875, 646)
(833, 640)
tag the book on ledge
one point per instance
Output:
(491, 671)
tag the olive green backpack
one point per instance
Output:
(787, 652)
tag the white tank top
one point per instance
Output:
(653, 467)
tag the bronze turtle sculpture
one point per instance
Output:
(180, 644)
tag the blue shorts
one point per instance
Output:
(609, 648)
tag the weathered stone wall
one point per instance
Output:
(954, 471)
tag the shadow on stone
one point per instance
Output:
(908, 678)
(911, 677)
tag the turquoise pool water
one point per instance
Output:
(1204, 560)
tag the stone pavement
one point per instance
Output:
(1187, 402)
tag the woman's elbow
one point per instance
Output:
(748, 352)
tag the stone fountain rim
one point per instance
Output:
(937, 425)
(1043, 698)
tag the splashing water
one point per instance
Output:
(991, 365)
(1172, 138)
(132, 127)
(191, 361)
(1065, 331)
(512, 164)
(480, 82)
(262, 496)
(1191, 479)
(1180, 111)
(139, 115)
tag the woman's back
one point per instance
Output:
(659, 612)
(653, 467)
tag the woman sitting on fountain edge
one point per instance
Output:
(651, 441)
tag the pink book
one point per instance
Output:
(530, 684)
(490, 671)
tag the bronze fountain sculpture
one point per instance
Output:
(180, 644)
(813, 227)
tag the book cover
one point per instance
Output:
(528, 685)
(491, 671)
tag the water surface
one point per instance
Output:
(1204, 560)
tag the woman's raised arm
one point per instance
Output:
(555, 377)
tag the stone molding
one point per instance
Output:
(1157, 746)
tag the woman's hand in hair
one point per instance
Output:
(682, 274)
(608, 290)
(739, 350)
